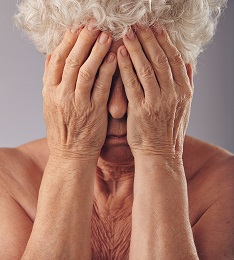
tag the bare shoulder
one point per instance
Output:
(200, 155)
(21, 170)
(211, 192)
(14, 165)
(19, 185)
(21, 174)
(212, 174)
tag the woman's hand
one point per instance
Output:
(159, 93)
(77, 82)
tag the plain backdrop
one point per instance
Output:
(21, 70)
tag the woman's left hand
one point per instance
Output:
(159, 93)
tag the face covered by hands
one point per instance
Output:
(77, 82)
(75, 97)
(159, 90)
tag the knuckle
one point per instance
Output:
(67, 42)
(149, 38)
(100, 86)
(184, 98)
(85, 38)
(132, 81)
(135, 50)
(146, 72)
(85, 74)
(56, 59)
(72, 62)
(176, 57)
(188, 95)
(180, 76)
(127, 67)
(160, 60)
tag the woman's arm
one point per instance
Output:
(62, 228)
(75, 111)
(159, 95)
(160, 217)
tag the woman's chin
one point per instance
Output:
(116, 151)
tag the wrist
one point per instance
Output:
(61, 155)
(159, 166)
(72, 165)
(158, 159)
(165, 152)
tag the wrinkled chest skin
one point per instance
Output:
(110, 237)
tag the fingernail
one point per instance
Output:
(110, 58)
(124, 52)
(131, 35)
(103, 38)
(92, 25)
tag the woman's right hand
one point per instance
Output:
(77, 81)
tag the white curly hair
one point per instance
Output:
(190, 23)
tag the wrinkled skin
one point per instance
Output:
(159, 95)
(136, 108)
(76, 121)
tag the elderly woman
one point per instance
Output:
(116, 177)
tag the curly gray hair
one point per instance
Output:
(190, 23)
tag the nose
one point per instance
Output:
(117, 104)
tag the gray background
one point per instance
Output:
(21, 70)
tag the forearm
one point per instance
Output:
(160, 216)
(62, 228)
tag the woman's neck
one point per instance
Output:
(113, 186)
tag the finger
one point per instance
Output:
(101, 89)
(48, 57)
(58, 57)
(89, 69)
(190, 75)
(156, 56)
(79, 54)
(131, 83)
(174, 58)
(142, 65)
